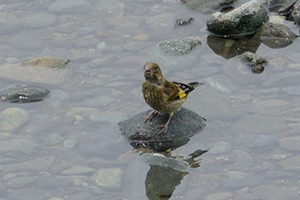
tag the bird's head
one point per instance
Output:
(153, 73)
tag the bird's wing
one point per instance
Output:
(173, 91)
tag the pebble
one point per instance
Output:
(54, 139)
(18, 147)
(141, 37)
(292, 163)
(220, 147)
(20, 182)
(70, 143)
(39, 20)
(109, 178)
(219, 196)
(162, 21)
(290, 143)
(70, 6)
(26, 40)
(110, 9)
(243, 162)
(52, 182)
(78, 170)
(13, 118)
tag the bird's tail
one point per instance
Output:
(195, 84)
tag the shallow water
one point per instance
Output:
(252, 132)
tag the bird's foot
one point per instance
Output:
(164, 129)
(150, 116)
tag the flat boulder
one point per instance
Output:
(184, 124)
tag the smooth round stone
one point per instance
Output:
(70, 6)
(12, 118)
(220, 147)
(70, 143)
(26, 41)
(109, 178)
(38, 20)
(8, 22)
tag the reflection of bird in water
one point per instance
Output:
(162, 95)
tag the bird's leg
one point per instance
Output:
(150, 116)
(165, 127)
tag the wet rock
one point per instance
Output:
(292, 163)
(206, 5)
(109, 178)
(70, 6)
(26, 41)
(23, 94)
(182, 22)
(110, 9)
(70, 143)
(46, 62)
(184, 124)
(229, 48)
(219, 196)
(220, 147)
(128, 25)
(276, 35)
(8, 22)
(243, 20)
(39, 20)
(54, 139)
(256, 141)
(179, 47)
(290, 143)
(263, 125)
(20, 182)
(295, 14)
(36, 165)
(255, 61)
(37, 70)
(18, 147)
(278, 193)
(275, 6)
(13, 118)
(78, 170)
(51, 182)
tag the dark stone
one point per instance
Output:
(184, 124)
(256, 62)
(182, 22)
(23, 94)
(244, 20)
(206, 5)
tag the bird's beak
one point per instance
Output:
(147, 70)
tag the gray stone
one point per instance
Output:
(243, 162)
(179, 47)
(290, 143)
(206, 5)
(220, 147)
(50, 182)
(184, 124)
(8, 22)
(104, 60)
(26, 41)
(36, 165)
(70, 143)
(109, 178)
(111, 9)
(17, 147)
(70, 6)
(243, 20)
(23, 94)
(278, 193)
(54, 139)
(20, 182)
(39, 20)
(78, 170)
(292, 163)
(37, 70)
(13, 118)
(258, 124)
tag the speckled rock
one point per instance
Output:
(184, 124)
(179, 47)
(243, 20)
(13, 118)
(38, 20)
(109, 178)
(70, 6)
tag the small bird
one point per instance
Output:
(162, 95)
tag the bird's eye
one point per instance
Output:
(155, 68)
